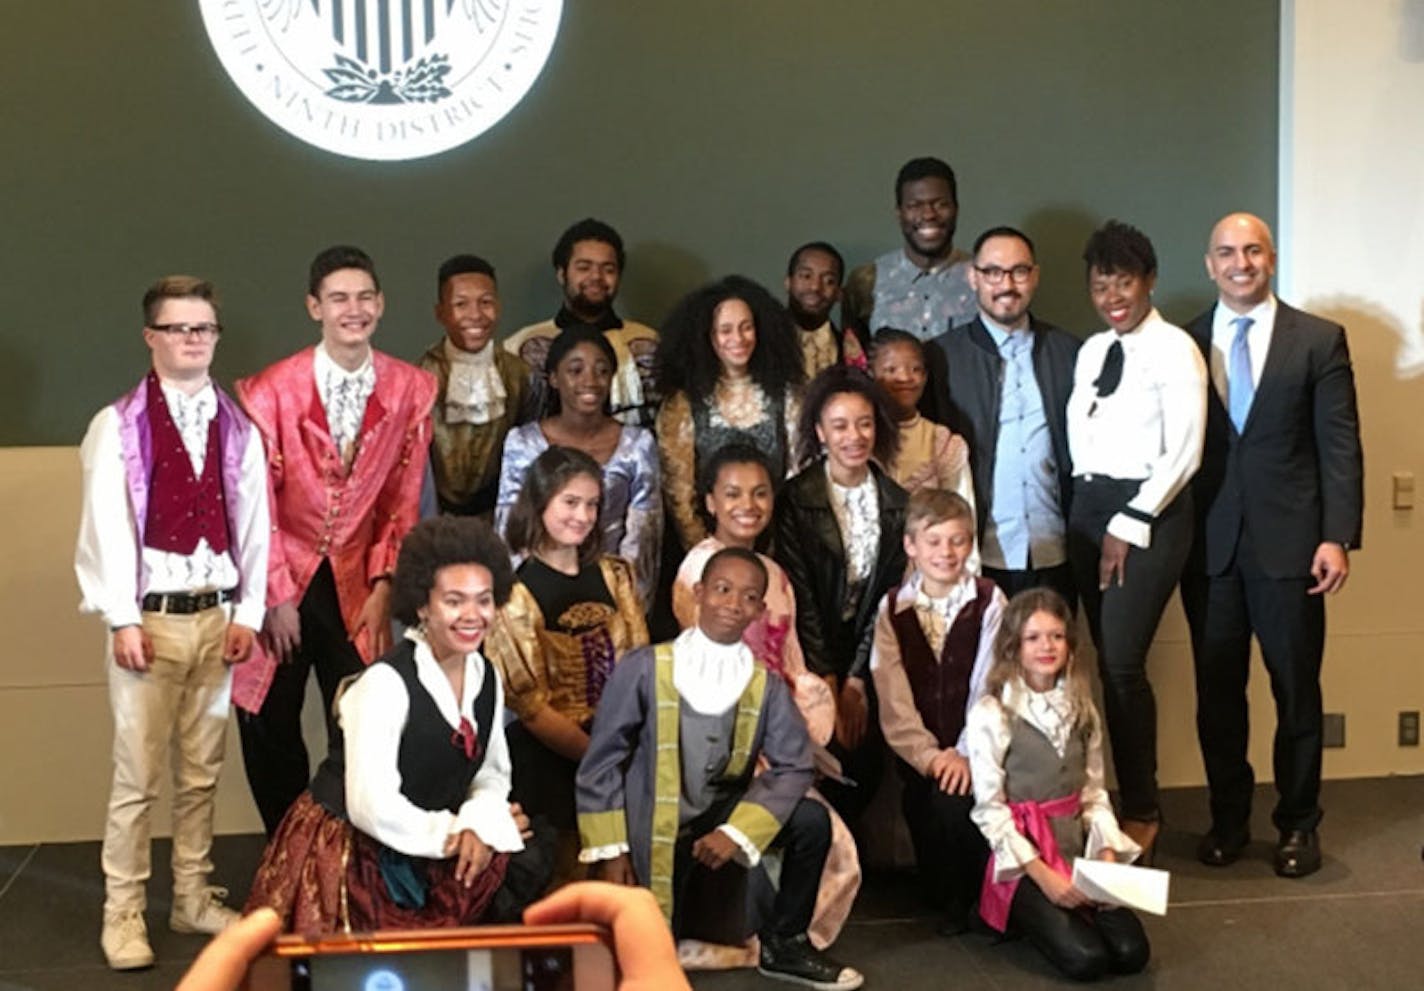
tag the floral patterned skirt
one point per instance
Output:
(322, 875)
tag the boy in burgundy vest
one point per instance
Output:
(172, 552)
(347, 431)
(934, 641)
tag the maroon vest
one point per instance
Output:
(182, 508)
(941, 686)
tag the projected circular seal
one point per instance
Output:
(383, 79)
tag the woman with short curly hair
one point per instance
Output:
(407, 823)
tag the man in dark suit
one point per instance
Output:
(1279, 500)
(1002, 381)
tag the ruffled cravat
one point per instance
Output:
(475, 393)
(343, 396)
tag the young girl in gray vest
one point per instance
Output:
(1036, 758)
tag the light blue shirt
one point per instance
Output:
(1025, 528)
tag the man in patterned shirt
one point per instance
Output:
(923, 287)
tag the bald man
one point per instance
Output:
(1279, 500)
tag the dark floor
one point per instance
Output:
(1358, 924)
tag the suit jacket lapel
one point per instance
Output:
(1277, 356)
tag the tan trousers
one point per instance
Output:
(179, 705)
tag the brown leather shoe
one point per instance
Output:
(1144, 833)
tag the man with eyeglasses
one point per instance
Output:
(1279, 500)
(1002, 380)
(172, 552)
(923, 286)
(347, 430)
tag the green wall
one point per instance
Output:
(715, 135)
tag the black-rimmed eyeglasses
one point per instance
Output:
(994, 274)
(196, 331)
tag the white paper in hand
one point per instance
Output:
(1142, 888)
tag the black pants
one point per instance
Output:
(1123, 620)
(278, 769)
(865, 765)
(542, 781)
(1223, 612)
(950, 852)
(1084, 944)
(1059, 578)
(804, 840)
(527, 875)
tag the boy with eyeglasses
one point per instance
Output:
(172, 552)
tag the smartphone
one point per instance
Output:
(575, 957)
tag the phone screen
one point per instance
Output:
(504, 969)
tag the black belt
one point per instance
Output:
(185, 603)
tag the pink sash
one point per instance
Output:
(1031, 819)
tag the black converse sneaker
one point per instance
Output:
(795, 960)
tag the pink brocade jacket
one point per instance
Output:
(356, 518)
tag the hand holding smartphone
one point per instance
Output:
(642, 957)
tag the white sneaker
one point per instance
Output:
(125, 940)
(201, 912)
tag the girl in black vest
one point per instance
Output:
(839, 526)
(407, 823)
(1036, 756)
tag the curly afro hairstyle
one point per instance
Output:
(440, 542)
(1119, 247)
(685, 361)
(840, 380)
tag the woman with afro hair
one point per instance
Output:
(407, 823)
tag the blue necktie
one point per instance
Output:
(1240, 390)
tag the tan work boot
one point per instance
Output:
(125, 940)
(201, 912)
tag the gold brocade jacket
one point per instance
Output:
(541, 666)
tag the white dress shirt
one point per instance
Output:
(373, 713)
(107, 555)
(989, 733)
(1150, 428)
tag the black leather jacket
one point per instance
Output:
(809, 547)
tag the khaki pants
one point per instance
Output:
(179, 705)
